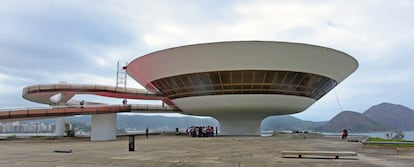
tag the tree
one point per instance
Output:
(69, 130)
(399, 135)
(396, 135)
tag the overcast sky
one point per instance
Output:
(80, 41)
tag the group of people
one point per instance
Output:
(201, 131)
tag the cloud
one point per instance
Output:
(81, 41)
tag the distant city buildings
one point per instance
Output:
(29, 127)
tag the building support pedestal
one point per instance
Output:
(60, 126)
(103, 127)
(240, 124)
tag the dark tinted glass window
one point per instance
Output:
(236, 76)
(270, 75)
(245, 82)
(215, 80)
(225, 77)
(247, 76)
(280, 77)
(186, 81)
(259, 76)
(204, 78)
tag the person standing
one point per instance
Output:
(82, 103)
(146, 132)
(344, 134)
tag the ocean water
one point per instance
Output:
(408, 135)
(23, 135)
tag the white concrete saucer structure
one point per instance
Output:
(242, 82)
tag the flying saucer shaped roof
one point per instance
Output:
(242, 55)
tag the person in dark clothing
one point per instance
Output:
(82, 103)
(344, 134)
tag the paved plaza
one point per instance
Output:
(169, 150)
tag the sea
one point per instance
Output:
(408, 135)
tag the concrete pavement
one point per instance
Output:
(165, 150)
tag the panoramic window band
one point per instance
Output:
(245, 82)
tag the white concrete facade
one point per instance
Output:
(60, 126)
(242, 55)
(103, 127)
(240, 123)
(264, 104)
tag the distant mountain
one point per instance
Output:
(352, 121)
(287, 122)
(381, 117)
(392, 116)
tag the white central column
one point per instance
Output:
(60, 126)
(103, 127)
(240, 124)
